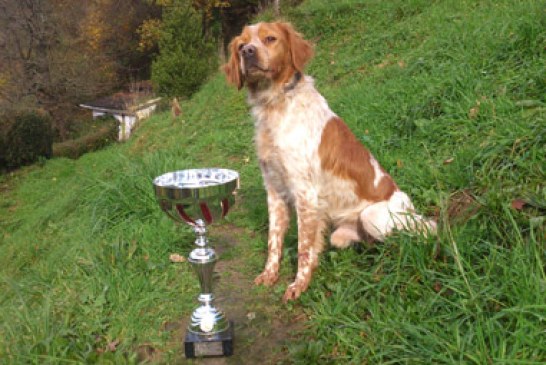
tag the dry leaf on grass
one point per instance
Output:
(177, 258)
(112, 346)
(518, 204)
(473, 112)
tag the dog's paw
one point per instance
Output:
(267, 278)
(294, 291)
(344, 237)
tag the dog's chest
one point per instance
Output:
(287, 147)
(277, 155)
(286, 138)
(288, 135)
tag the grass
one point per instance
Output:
(450, 98)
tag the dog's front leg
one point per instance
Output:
(310, 244)
(279, 218)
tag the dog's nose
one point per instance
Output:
(248, 51)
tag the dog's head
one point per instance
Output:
(266, 51)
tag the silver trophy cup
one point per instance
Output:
(199, 197)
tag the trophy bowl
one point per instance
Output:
(199, 197)
(190, 195)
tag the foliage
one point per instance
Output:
(24, 139)
(105, 134)
(185, 58)
(57, 54)
(449, 96)
(149, 34)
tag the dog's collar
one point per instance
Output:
(290, 86)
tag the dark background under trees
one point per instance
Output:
(56, 54)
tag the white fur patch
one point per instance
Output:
(378, 173)
(381, 218)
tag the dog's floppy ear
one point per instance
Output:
(301, 50)
(232, 68)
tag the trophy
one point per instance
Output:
(200, 197)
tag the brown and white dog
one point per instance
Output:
(309, 158)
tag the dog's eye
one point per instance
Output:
(241, 46)
(270, 39)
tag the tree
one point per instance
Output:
(185, 57)
(55, 54)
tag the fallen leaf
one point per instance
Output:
(518, 204)
(437, 287)
(177, 258)
(399, 163)
(251, 316)
(448, 161)
(473, 112)
(112, 346)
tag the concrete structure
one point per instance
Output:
(127, 108)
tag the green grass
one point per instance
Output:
(84, 246)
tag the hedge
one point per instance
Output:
(74, 148)
(24, 138)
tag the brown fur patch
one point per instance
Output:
(300, 49)
(232, 68)
(345, 157)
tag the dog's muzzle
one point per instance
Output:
(249, 54)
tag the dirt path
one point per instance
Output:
(263, 325)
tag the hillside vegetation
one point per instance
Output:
(449, 96)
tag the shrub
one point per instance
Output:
(24, 138)
(185, 57)
(74, 148)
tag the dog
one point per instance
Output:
(309, 158)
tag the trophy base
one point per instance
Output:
(220, 344)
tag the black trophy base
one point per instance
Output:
(207, 346)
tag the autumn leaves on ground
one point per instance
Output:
(450, 98)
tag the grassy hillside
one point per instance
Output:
(450, 97)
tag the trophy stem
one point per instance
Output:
(206, 320)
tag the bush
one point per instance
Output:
(24, 138)
(185, 57)
(74, 148)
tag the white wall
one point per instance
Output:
(128, 122)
